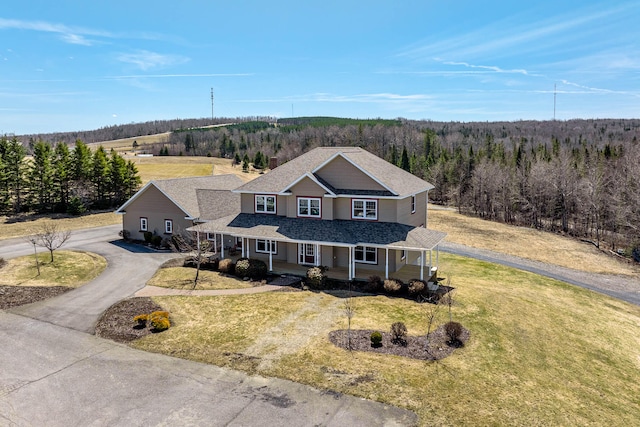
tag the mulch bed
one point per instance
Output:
(13, 296)
(117, 322)
(415, 347)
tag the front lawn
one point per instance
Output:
(182, 278)
(540, 351)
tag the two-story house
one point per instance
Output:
(337, 207)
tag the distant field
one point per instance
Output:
(164, 167)
(125, 145)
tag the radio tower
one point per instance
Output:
(211, 104)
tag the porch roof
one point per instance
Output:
(335, 232)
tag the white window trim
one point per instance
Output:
(309, 199)
(144, 223)
(364, 209)
(168, 226)
(274, 246)
(266, 197)
(365, 249)
(413, 204)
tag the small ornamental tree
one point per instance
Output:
(52, 237)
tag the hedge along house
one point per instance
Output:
(168, 207)
(336, 207)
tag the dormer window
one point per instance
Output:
(364, 209)
(309, 207)
(265, 204)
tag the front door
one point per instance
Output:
(307, 254)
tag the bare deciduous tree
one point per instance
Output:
(349, 311)
(51, 236)
(197, 247)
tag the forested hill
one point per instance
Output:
(578, 176)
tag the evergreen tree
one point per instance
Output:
(117, 178)
(41, 177)
(62, 171)
(100, 177)
(82, 163)
(404, 162)
(14, 167)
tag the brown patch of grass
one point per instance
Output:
(539, 349)
(69, 268)
(525, 242)
(26, 225)
(182, 278)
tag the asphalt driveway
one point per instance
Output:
(55, 373)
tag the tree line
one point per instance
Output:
(578, 177)
(60, 179)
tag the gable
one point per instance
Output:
(307, 187)
(343, 175)
(153, 200)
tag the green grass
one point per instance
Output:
(541, 352)
(69, 268)
(182, 278)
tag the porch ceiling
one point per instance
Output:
(336, 232)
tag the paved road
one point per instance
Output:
(54, 373)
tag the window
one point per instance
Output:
(168, 226)
(364, 209)
(308, 206)
(211, 236)
(413, 204)
(265, 204)
(366, 254)
(262, 246)
(239, 241)
(144, 224)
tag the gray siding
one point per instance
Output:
(156, 207)
(341, 174)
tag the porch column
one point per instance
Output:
(317, 259)
(430, 261)
(270, 256)
(438, 256)
(386, 264)
(421, 265)
(247, 245)
(221, 246)
(350, 265)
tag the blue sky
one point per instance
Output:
(80, 65)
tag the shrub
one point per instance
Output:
(399, 333)
(160, 324)
(3, 262)
(254, 268)
(453, 331)
(75, 206)
(316, 278)
(210, 264)
(226, 266)
(141, 319)
(242, 267)
(148, 236)
(156, 241)
(160, 320)
(392, 286)
(374, 284)
(416, 286)
(376, 339)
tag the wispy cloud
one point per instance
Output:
(516, 35)
(73, 35)
(146, 60)
(167, 76)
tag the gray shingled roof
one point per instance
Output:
(184, 193)
(338, 232)
(216, 204)
(400, 182)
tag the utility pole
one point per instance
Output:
(212, 104)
